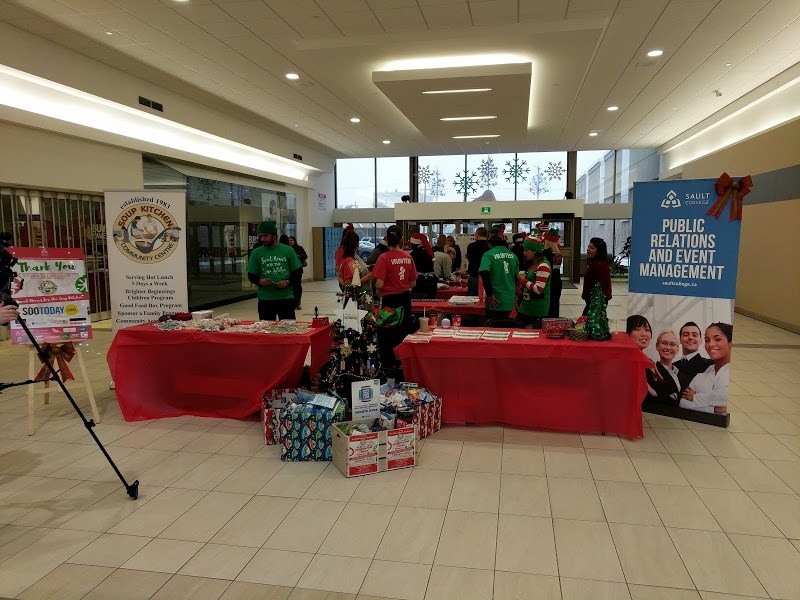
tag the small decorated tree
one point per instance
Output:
(597, 317)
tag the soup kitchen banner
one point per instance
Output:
(684, 257)
(146, 254)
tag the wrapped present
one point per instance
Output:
(272, 401)
(304, 431)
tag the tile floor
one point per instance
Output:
(689, 512)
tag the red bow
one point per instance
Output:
(728, 188)
(60, 354)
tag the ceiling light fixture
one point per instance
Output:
(727, 64)
(475, 137)
(654, 53)
(468, 118)
(355, 120)
(292, 76)
(593, 134)
(387, 141)
(447, 62)
(612, 108)
(109, 33)
(464, 91)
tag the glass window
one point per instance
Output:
(591, 175)
(444, 179)
(637, 164)
(493, 172)
(392, 180)
(543, 175)
(355, 183)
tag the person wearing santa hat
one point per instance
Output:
(535, 281)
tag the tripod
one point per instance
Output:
(131, 488)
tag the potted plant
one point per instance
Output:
(620, 263)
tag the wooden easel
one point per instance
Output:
(34, 364)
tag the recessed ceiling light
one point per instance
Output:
(727, 64)
(593, 134)
(297, 124)
(292, 76)
(468, 118)
(109, 33)
(355, 120)
(612, 108)
(474, 137)
(464, 91)
(447, 62)
(387, 141)
(654, 53)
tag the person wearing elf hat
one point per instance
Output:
(552, 252)
(275, 269)
(497, 270)
(535, 282)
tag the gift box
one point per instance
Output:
(359, 453)
(272, 401)
(304, 431)
(424, 411)
(556, 328)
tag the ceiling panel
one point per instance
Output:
(447, 16)
(494, 12)
(294, 8)
(251, 9)
(332, 7)
(555, 9)
(401, 19)
(356, 23)
(314, 26)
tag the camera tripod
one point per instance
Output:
(131, 488)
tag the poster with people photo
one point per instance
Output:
(681, 297)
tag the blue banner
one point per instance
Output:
(678, 250)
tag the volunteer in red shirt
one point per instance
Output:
(394, 274)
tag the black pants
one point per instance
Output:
(530, 322)
(556, 285)
(272, 310)
(298, 292)
(491, 315)
(389, 337)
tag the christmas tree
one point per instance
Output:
(597, 317)
(354, 354)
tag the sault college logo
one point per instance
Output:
(145, 232)
(671, 200)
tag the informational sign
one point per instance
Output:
(401, 448)
(146, 254)
(53, 295)
(322, 201)
(366, 397)
(362, 454)
(485, 210)
(681, 297)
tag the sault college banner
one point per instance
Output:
(146, 254)
(682, 288)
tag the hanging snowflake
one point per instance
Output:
(466, 182)
(424, 180)
(516, 170)
(487, 172)
(554, 170)
(437, 184)
(538, 183)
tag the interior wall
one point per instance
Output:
(41, 159)
(767, 287)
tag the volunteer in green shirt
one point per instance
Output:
(275, 269)
(535, 282)
(498, 271)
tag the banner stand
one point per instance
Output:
(47, 390)
(675, 412)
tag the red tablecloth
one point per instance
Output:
(449, 292)
(419, 307)
(460, 309)
(170, 373)
(587, 387)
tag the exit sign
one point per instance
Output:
(485, 210)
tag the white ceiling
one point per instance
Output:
(583, 56)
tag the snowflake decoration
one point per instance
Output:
(437, 184)
(466, 182)
(424, 179)
(554, 170)
(372, 348)
(516, 170)
(345, 350)
(487, 172)
(538, 183)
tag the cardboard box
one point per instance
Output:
(427, 417)
(374, 452)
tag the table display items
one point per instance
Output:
(229, 325)
(556, 328)
(366, 446)
(578, 332)
(597, 316)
